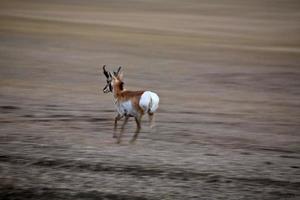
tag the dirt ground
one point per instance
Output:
(227, 73)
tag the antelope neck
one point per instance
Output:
(117, 90)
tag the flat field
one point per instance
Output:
(227, 73)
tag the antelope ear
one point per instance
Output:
(113, 76)
(120, 75)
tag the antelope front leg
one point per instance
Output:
(138, 128)
(117, 118)
(122, 129)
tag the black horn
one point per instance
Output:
(105, 72)
(116, 73)
(119, 70)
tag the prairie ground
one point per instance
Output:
(227, 73)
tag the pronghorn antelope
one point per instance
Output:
(129, 103)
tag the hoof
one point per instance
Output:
(118, 141)
(132, 141)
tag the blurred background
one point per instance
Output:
(227, 73)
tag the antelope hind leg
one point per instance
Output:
(151, 120)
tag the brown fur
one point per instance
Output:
(122, 95)
(125, 95)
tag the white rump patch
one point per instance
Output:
(149, 101)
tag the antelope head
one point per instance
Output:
(111, 79)
(108, 87)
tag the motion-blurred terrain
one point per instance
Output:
(227, 73)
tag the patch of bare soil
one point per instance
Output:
(227, 74)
